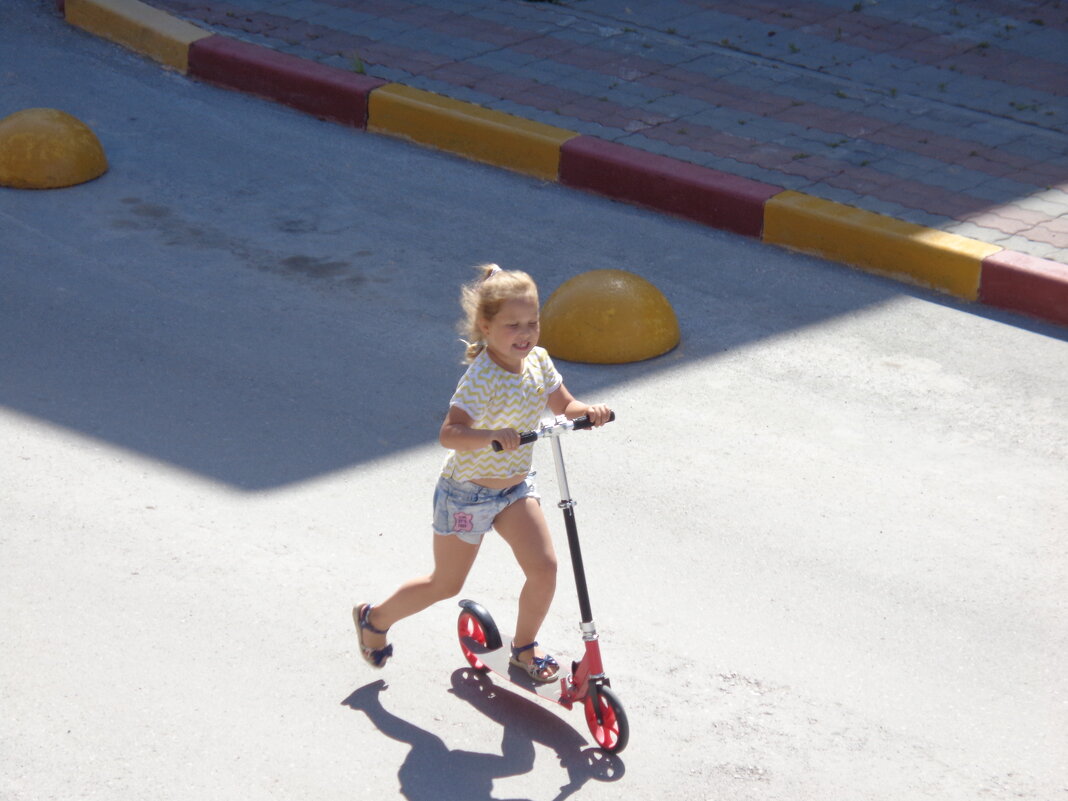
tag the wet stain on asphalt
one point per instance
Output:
(314, 267)
(168, 225)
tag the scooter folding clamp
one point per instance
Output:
(557, 428)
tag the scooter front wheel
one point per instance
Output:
(477, 632)
(606, 719)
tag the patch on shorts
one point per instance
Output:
(462, 521)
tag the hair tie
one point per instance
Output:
(494, 269)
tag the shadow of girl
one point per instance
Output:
(433, 772)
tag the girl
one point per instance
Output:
(505, 390)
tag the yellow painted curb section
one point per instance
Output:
(133, 24)
(861, 238)
(468, 130)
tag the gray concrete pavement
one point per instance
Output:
(824, 538)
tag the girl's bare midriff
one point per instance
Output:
(499, 483)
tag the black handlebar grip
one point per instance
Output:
(524, 439)
(582, 423)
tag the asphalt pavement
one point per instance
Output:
(824, 537)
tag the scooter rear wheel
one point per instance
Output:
(477, 632)
(612, 731)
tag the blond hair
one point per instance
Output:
(483, 297)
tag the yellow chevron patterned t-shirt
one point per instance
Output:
(496, 398)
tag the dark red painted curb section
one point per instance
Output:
(666, 184)
(323, 91)
(1022, 283)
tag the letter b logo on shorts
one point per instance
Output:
(462, 522)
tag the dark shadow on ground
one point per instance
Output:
(434, 772)
(232, 306)
(258, 378)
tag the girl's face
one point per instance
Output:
(512, 333)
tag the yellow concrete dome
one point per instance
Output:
(43, 148)
(608, 317)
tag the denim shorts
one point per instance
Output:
(467, 509)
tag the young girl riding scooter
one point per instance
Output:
(508, 385)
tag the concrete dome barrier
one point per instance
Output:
(608, 317)
(43, 148)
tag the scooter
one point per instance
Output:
(586, 684)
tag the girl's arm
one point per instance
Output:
(563, 402)
(458, 434)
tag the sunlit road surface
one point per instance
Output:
(824, 538)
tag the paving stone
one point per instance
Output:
(945, 99)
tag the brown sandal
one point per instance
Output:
(537, 666)
(361, 616)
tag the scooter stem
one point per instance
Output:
(568, 505)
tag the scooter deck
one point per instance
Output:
(498, 662)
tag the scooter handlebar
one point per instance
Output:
(584, 422)
(554, 429)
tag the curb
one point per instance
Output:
(1022, 283)
(137, 26)
(307, 86)
(465, 129)
(966, 268)
(658, 182)
(875, 242)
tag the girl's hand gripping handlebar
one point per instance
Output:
(554, 429)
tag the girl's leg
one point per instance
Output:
(523, 527)
(453, 559)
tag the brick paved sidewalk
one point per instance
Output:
(945, 114)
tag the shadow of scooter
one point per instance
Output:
(433, 772)
(534, 723)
